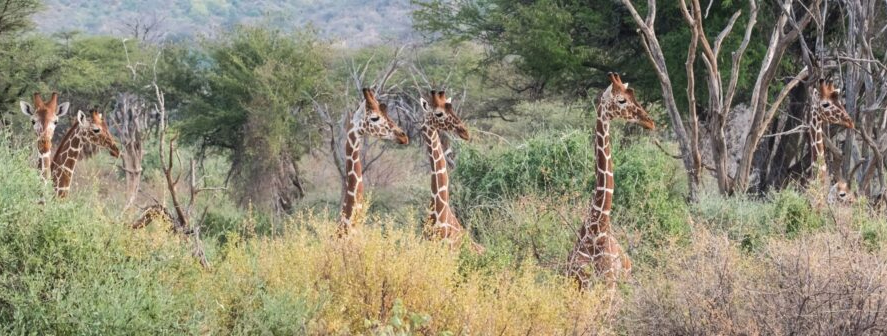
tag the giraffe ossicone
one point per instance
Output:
(87, 129)
(370, 119)
(44, 117)
(596, 245)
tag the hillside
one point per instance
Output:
(355, 23)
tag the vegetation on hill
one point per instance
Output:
(357, 23)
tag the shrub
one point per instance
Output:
(820, 283)
(530, 199)
(550, 163)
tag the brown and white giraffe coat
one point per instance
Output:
(370, 119)
(87, 129)
(596, 244)
(827, 109)
(440, 117)
(44, 118)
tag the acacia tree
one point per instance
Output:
(243, 95)
(20, 63)
(15, 15)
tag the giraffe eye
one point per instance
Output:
(439, 114)
(622, 100)
(374, 118)
(33, 122)
(826, 104)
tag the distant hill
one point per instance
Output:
(353, 22)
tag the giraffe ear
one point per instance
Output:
(27, 109)
(424, 104)
(81, 117)
(626, 86)
(63, 109)
(450, 100)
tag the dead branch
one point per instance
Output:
(182, 224)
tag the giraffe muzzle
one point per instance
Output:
(647, 124)
(462, 132)
(402, 138)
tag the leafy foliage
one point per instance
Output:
(246, 96)
(534, 195)
(567, 45)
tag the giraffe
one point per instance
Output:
(370, 119)
(827, 109)
(596, 244)
(44, 118)
(87, 129)
(840, 193)
(440, 116)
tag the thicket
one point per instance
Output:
(72, 267)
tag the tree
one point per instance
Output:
(567, 45)
(245, 95)
(15, 16)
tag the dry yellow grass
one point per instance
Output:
(373, 282)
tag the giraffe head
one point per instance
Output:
(95, 130)
(618, 101)
(828, 106)
(377, 123)
(439, 114)
(840, 193)
(44, 117)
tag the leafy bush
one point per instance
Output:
(529, 200)
(551, 163)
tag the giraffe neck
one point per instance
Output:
(817, 148)
(353, 195)
(443, 220)
(44, 162)
(65, 159)
(598, 220)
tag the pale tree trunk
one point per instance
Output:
(720, 98)
(130, 118)
(657, 58)
(783, 35)
(865, 89)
